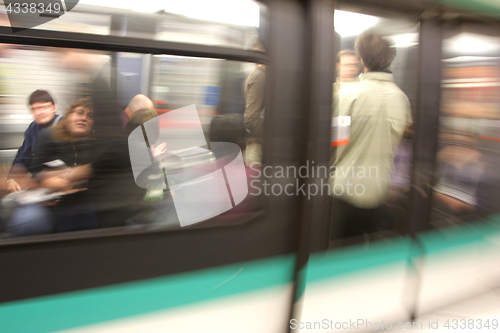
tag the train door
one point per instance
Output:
(362, 281)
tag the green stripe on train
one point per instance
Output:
(451, 237)
(356, 258)
(486, 7)
(324, 265)
(64, 311)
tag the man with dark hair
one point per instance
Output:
(378, 113)
(44, 111)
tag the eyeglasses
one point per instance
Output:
(81, 113)
(42, 107)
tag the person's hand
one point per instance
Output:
(158, 150)
(56, 183)
(79, 172)
(13, 186)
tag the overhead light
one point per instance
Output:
(21, 116)
(405, 40)
(468, 43)
(352, 24)
(148, 7)
(134, 5)
(470, 59)
(236, 12)
(122, 4)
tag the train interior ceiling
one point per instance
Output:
(185, 173)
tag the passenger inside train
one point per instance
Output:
(44, 109)
(138, 102)
(254, 111)
(378, 113)
(61, 164)
(348, 69)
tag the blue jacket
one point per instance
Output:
(31, 137)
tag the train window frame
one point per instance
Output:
(124, 44)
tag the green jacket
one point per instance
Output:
(380, 112)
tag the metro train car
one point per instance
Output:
(269, 261)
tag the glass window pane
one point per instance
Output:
(160, 145)
(467, 160)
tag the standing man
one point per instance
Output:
(378, 113)
(44, 111)
(348, 69)
(138, 102)
(253, 117)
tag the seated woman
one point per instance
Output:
(61, 163)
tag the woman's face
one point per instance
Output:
(80, 121)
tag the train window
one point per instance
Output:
(466, 178)
(371, 142)
(161, 143)
(225, 23)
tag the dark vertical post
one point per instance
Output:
(425, 141)
(315, 205)
(426, 123)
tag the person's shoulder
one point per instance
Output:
(32, 126)
(46, 133)
(257, 74)
(397, 92)
(32, 130)
(58, 118)
(354, 90)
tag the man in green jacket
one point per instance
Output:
(378, 112)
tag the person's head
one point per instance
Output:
(348, 65)
(140, 117)
(375, 52)
(78, 122)
(42, 106)
(140, 102)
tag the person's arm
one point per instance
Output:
(44, 152)
(254, 106)
(19, 167)
(62, 180)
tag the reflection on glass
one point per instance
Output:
(467, 160)
(371, 143)
(185, 166)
